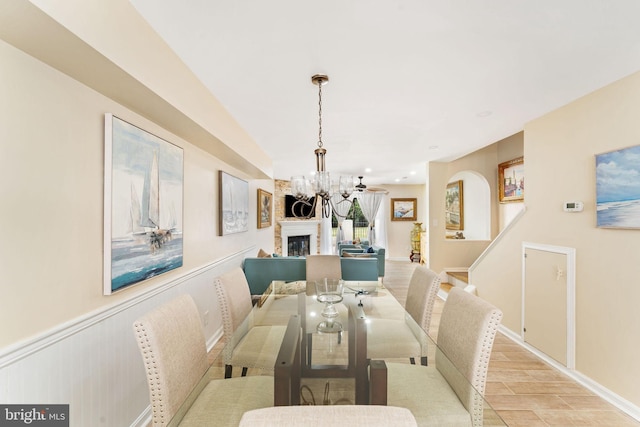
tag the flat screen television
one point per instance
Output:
(301, 210)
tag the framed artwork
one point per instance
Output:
(143, 189)
(454, 206)
(511, 180)
(404, 209)
(618, 188)
(265, 206)
(234, 204)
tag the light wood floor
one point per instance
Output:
(523, 389)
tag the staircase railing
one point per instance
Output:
(495, 241)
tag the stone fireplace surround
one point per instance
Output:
(282, 187)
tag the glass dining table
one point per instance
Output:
(317, 365)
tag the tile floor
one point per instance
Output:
(523, 389)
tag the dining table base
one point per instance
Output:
(294, 364)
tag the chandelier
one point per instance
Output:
(309, 192)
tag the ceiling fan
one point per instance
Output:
(360, 186)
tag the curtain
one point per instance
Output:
(369, 202)
(340, 206)
(380, 230)
(325, 236)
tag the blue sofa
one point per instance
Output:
(260, 272)
(364, 250)
(352, 244)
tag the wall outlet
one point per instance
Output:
(205, 318)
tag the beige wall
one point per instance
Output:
(448, 253)
(54, 317)
(399, 232)
(508, 149)
(444, 253)
(51, 187)
(560, 166)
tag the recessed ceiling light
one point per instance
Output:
(412, 173)
(433, 147)
(367, 170)
(485, 113)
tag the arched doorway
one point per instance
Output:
(476, 206)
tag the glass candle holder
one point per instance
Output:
(329, 292)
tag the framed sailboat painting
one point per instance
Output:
(143, 190)
(233, 201)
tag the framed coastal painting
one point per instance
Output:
(265, 206)
(404, 209)
(511, 180)
(143, 202)
(618, 188)
(233, 201)
(454, 206)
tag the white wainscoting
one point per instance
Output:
(93, 364)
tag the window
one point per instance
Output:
(360, 223)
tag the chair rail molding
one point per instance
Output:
(92, 362)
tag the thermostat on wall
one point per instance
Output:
(573, 206)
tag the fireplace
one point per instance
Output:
(298, 245)
(308, 229)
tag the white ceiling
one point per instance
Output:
(411, 81)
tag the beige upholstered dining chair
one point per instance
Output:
(457, 382)
(320, 267)
(248, 344)
(392, 338)
(336, 415)
(173, 349)
(421, 295)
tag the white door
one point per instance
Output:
(547, 303)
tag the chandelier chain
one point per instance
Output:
(310, 193)
(320, 114)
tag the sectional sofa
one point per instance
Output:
(363, 250)
(261, 271)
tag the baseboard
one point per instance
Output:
(213, 340)
(144, 420)
(611, 397)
